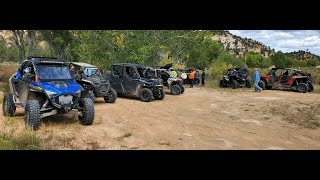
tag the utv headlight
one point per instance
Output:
(78, 93)
(51, 93)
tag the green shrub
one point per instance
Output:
(26, 140)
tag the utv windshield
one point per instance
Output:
(146, 73)
(54, 72)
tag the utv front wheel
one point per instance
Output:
(32, 115)
(248, 84)
(112, 96)
(302, 88)
(234, 84)
(310, 88)
(262, 84)
(145, 95)
(222, 84)
(87, 110)
(160, 96)
(175, 90)
(268, 87)
(182, 89)
(90, 95)
(8, 106)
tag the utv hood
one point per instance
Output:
(60, 87)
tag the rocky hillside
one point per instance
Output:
(241, 46)
(303, 55)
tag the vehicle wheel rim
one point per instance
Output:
(145, 95)
(175, 90)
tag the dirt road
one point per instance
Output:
(199, 119)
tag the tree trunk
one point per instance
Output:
(19, 41)
(32, 39)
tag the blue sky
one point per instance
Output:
(285, 40)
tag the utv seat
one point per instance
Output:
(285, 78)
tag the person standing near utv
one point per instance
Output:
(203, 77)
(256, 78)
(196, 77)
(191, 78)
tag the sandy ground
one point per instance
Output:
(199, 119)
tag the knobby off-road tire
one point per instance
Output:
(175, 90)
(90, 95)
(32, 115)
(268, 87)
(182, 89)
(145, 95)
(222, 84)
(248, 84)
(243, 72)
(8, 106)
(112, 97)
(310, 88)
(234, 84)
(262, 84)
(303, 88)
(87, 111)
(160, 96)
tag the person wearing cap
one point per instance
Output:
(256, 78)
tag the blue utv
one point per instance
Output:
(45, 87)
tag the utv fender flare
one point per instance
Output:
(87, 86)
(11, 79)
(33, 88)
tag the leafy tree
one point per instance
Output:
(253, 59)
(24, 40)
(59, 41)
(203, 54)
(279, 59)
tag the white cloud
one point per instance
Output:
(285, 40)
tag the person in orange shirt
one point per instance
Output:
(191, 77)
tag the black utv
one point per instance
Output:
(45, 87)
(100, 85)
(136, 80)
(235, 77)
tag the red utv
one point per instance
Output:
(287, 79)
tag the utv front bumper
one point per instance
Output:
(65, 103)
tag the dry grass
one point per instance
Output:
(15, 137)
(316, 88)
(306, 115)
(94, 145)
(1, 97)
(66, 142)
(24, 140)
(6, 70)
(125, 135)
(166, 143)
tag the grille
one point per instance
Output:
(65, 99)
